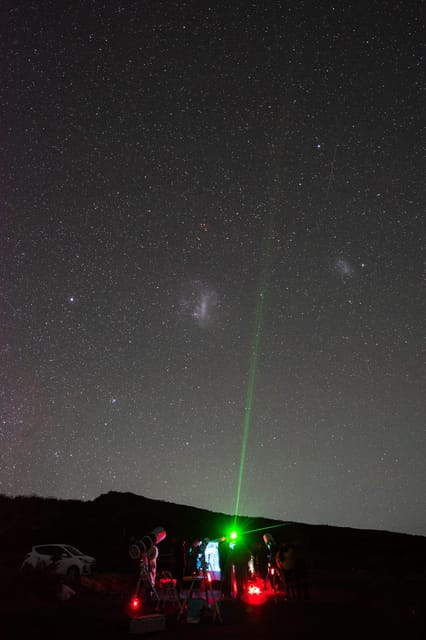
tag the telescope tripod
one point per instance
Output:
(208, 591)
(145, 582)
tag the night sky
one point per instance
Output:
(180, 182)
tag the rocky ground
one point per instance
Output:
(340, 606)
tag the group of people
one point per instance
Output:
(280, 567)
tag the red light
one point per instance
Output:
(135, 603)
(272, 571)
(209, 577)
(253, 590)
(256, 595)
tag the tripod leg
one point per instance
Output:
(187, 599)
(209, 592)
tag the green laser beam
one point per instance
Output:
(254, 359)
(245, 533)
(274, 526)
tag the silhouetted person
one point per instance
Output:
(271, 552)
(192, 558)
(225, 563)
(240, 557)
(260, 561)
(294, 572)
(285, 559)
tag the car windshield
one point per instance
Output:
(73, 550)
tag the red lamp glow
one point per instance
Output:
(135, 603)
(256, 595)
(254, 590)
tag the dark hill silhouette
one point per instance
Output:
(104, 527)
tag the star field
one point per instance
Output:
(149, 148)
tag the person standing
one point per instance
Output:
(225, 564)
(272, 569)
(241, 556)
(285, 559)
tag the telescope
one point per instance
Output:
(145, 544)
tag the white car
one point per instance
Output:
(62, 559)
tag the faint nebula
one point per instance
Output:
(198, 302)
(344, 268)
